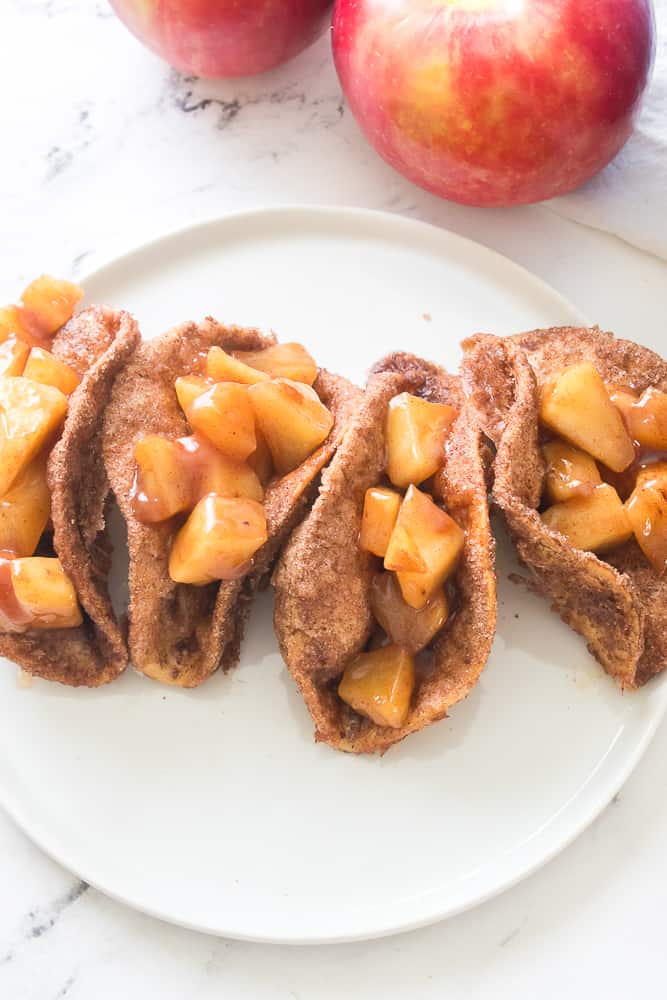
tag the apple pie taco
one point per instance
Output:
(56, 373)
(385, 594)
(579, 421)
(214, 441)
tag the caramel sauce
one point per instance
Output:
(194, 456)
(624, 482)
(145, 507)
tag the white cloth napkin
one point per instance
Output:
(629, 197)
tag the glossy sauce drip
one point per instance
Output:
(145, 507)
(624, 482)
(194, 455)
(564, 472)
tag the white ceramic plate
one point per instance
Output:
(214, 808)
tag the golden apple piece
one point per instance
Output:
(569, 472)
(210, 471)
(379, 685)
(416, 433)
(30, 416)
(162, 483)
(13, 356)
(218, 540)
(25, 510)
(623, 399)
(15, 322)
(45, 593)
(576, 406)
(596, 523)
(223, 367)
(41, 366)
(646, 510)
(647, 420)
(260, 460)
(410, 628)
(378, 519)
(290, 361)
(13, 617)
(435, 537)
(402, 552)
(189, 388)
(653, 474)
(292, 419)
(225, 416)
(51, 302)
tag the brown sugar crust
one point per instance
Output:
(97, 342)
(180, 634)
(322, 612)
(619, 603)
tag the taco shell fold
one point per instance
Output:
(96, 342)
(323, 613)
(179, 633)
(617, 603)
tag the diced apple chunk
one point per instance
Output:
(15, 322)
(569, 472)
(13, 618)
(212, 472)
(13, 356)
(51, 302)
(402, 553)
(223, 367)
(653, 474)
(646, 510)
(45, 593)
(647, 420)
(378, 519)
(409, 628)
(162, 485)
(416, 433)
(218, 540)
(30, 416)
(379, 685)
(435, 537)
(596, 523)
(290, 361)
(189, 388)
(42, 367)
(225, 416)
(24, 510)
(576, 406)
(260, 460)
(292, 419)
(623, 399)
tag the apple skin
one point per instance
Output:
(495, 102)
(225, 38)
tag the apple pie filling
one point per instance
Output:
(252, 415)
(417, 546)
(35, 591)
(605, 453)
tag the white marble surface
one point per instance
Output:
(103, 145)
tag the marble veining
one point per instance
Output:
(40, 921)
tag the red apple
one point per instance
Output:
(495, 102)
(224, 38)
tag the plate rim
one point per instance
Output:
(436, 911)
